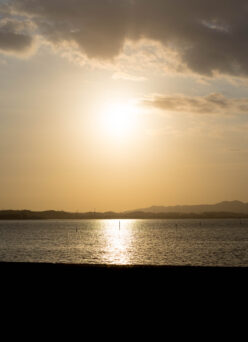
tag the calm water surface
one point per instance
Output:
(158, 242)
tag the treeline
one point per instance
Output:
(62, 215)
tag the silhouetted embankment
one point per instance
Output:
(125, 285)
(83, 271)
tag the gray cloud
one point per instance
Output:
(209, 36)
(213, 103)
(14, 42)
(14, 35)
(98, 27)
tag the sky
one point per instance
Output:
(122, 104)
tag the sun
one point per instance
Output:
(120, 119)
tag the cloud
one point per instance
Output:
(14, 42)
(14, 36)
(208, 36)
(211, 104)
(97, 27)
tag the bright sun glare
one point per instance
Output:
(120, 119)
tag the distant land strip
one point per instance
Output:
(62, 215)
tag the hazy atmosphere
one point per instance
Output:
(122, 104)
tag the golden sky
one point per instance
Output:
(122, 104)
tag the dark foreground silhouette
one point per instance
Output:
(96, 287)
(86, 272)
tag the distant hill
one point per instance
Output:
(231, 206)
(233, 209)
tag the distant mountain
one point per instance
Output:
(231, 207)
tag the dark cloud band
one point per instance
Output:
(211, 104)
(14, 42)
(209, 36)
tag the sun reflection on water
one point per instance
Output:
(118, 237)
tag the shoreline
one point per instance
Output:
(121, 268)
(62, 215)
(182, 217)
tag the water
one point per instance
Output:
(154, 242)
